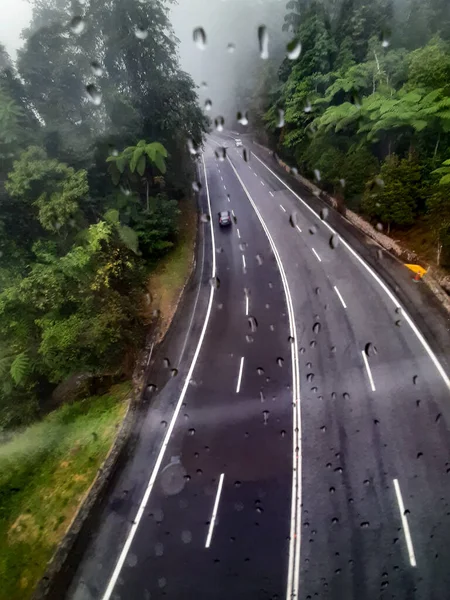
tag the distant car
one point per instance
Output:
(225, 218)
(238, 143)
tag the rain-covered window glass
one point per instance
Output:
(224, 299)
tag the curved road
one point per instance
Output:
(303, 448)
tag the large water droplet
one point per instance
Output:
(260, 371)
(215, 282)
(221, 153)
(196, 186)
(141, 33)
(96, 68)
(77, 25)
(192, 147)
(280, 122)
(93, 94)
(263, 39)
(334, 241)
(253, 324)
(324, 213)
(219, 122)
(208, 105)
(245, 154)
(308, 107)
(317, 174)
(370, 349)
(316, 328)
(294, 49)
(199, 37)
(231, 48)
(242, 117)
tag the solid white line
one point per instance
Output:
(401, 506)
(296, 506)
(246, 306)
(282, 207)
(340, 297)
(238, 233)
(318, 257)
(135, 524)
(380, 282)
(271, 194)
(215, 508)
(369, 372)
(238, 387)
(298, 228)
(243, 261)
(262, 182)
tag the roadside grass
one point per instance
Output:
(420, 240)
(166, 282)
(45, 472)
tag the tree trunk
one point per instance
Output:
(437, 146)
(146, 183)
(439, 252)
(389, 229)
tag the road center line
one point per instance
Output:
(401, 506)
(214, 512)
(243, 262)
(271, 194)
(369, 372)
(317, 256)
(221, 177)
(137, 519)
(238, 387)
(238, 233)
(224, 187)
(246, 305)
(282, 208)
(340, 297)
(298, 228)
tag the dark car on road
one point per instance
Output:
(225, 218)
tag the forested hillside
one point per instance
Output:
(365, 109)
(94, 120)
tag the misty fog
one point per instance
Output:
(230, 72)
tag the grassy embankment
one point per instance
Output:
(47, 469)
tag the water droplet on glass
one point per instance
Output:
(291, 339)
(221, 153)
(77, 25)
(259, 259)
(398, 323)
(324, 214)
(249, 339)
(342, 182)
(379, 226)
(313, 229)
(312, 343)
(151, 388)
(231, 48)
(94, 95)
(96, 68)
(438, 418)
(280, 361)
(415, 379)
(208, 105)
(385, 43)
(242, 117)
(308, 107)
(280, 122)
(302, 350)
(186, 537)
(263, 39)
(253, 324)
(199, 37)
(317, 174)
(205, 218)
(293, 219)
(260, 371)
(265, 416)
(370, 349)
(219, 123)
(294, 49)
(316, 328)
(419, 454)
(197, 186)
(174, 372)
(335, 520)
(192, 147)
(323, 429)
(283, 433)
(332, 490)
(215, 282)
(334, 241)
(140, 33)
(191, 431)
(204, 85)
(310, 377)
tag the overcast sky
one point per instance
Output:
(16, 15)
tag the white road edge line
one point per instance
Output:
(317, 256)
(241, 366)
(246, 305)
(369, 372)
(271, 193)
(296, 508)
(380, 282)
(214, 512)
(126, 547)
(401, 506)
(282, 208)
(340, 296)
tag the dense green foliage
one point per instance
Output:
(367, 104)
(94, 122)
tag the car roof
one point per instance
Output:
(225, 213)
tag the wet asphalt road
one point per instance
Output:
(373, 433)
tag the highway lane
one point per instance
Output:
(355, 439)
(230, 448)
